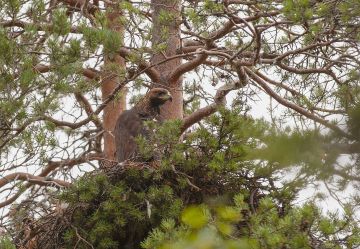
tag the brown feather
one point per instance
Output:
(130, 124)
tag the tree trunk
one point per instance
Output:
(166, 32)
(111, 80)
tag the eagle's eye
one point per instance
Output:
(161, 93)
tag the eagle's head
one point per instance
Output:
(158, 96)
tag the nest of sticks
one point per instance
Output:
(47, 231)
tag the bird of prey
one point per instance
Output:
(130, 123)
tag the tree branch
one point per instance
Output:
(144, 66)
(87, 72)
(88, 109)
(293, 106)
(345, 175)
(227, 27)
(186, 67)
(297, 94)
(39, 27)
(49, 169)
(309, 71)
(219, 100)
(42, 181)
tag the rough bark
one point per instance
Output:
(166, 32)
(109, 83)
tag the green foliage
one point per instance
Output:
(114, 212)
(112, 42)
(208, 192)
(129, 7)
(13, 6)
(196, 20)
(293, 148)
(349, 10)
(5, 243)
(61, 25)
(195, 217)
(166, 17)
(354, 121)
(213, 6)
(74, 50)
(305, 11)
(164, 140)
(221, 185)
(298, 10)
(28, 76)
(91, 37)
(265, 228)
(7, 48)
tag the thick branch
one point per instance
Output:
(69, 163)
(37, 26)
(12, 198)
(60, 123)
(297, 94)
(186, 67)
(42, 181)
(309, 71)
(87, 72)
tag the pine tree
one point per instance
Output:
(226, 179)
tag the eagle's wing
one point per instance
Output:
(128, 126)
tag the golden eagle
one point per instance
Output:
(130, 123)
